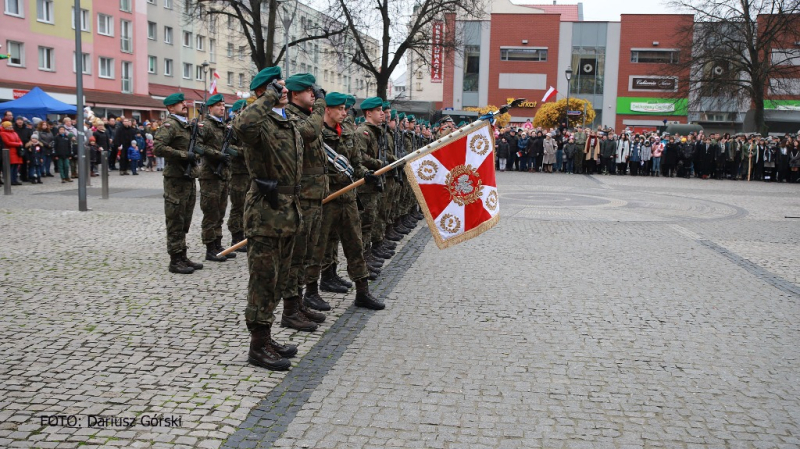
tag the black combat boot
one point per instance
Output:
(312, 315)
(177, 265)
(398, 226)
(377, 251)
(313, 300)
(189, 263)
(294, 318)
(364, 298)
(409, 222)
(211, 253)
(329, 283)
(220, 249)
(418, 215)
(236, 238)
(263, 354)
(385, 248)
(340, 279)
(373, 275)
(388, 244)
(393, 235)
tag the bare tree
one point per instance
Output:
(401, 27)
(740, 50)
(257, 21)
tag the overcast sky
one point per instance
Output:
(610, 10)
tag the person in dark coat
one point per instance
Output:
(782, 166)
(502, 153)
(511, 138)
(63, 154)
(669, 158)
(122, 140)
(537, 152)
(523, 151)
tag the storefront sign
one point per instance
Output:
(436, 52)
(19, 93)
(652, 107)
(652, 83)
(526, 104)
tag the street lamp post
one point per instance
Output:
(286, 20)
(568, 75)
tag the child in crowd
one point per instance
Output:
(35, 155)
(94, 155)
(133, 157)
(151, 158)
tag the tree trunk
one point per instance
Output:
(383, 86)
(758, 116)
(270, 39)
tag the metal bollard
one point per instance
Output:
(104, 173)
(87, 168)
(6, 172)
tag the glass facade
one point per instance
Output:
(472, 63)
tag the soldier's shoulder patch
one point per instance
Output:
(200, 124)
(366, 133)
(167, 125)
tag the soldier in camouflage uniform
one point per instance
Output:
(306, 106)
(580, 143)
(172, 143)
(341, 213)
(383, 231)
(273, 150)
(412, 144)
(213, 185)
(368, 135)
(239, 184)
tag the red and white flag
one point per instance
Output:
(551, 92)
(213, 89)
(456, 188)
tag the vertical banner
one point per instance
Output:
(436, 51)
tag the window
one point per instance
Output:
(44, 11)
(230, 23)
(125, 5)
(46, 61)
(84, 19)
(523, 54)
(199, 73)
(786, 57)
(126, 36)
(168, 4)
(14, 8)
(472, 54)
(106, 68)
(230, 50)
(86, 63)
(212, 50)
(326, 75)
(201, 42)
(302, 67)
(168, 35)
(152, 2)
(654, 56)
(241, 52)
(152, 63)
(241, 80)
(187, 71)
(168, 67)
(105, 25)
(187, 39)
(152, 33)
(16, 51)
(230, 79)
(126, 69)
(187, 6)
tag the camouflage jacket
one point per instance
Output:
(210, 138)
(309, 124)
(238, 164)
(343, 144)
(273, 150)
(366, 142)
(410, 141)
(172, 143)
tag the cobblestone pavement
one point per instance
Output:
(601, 312)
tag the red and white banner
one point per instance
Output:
(456, 187)
(436, 52)
(551, 93)
(213, 89)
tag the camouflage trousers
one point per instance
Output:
(387, 202)
(304, 242)
(180, 196)
(407, 198)
(268, 259)
(332, 248)
(341, 216)
(213, 202)
(238, 187)
(370, 201)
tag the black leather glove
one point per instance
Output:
(370, 178)
(319, 92)
(226, 158)
(276, 87)
(192, 158)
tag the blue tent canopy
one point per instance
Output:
(37, 103)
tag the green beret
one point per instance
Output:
(371, 103)
(446, 118)
(387, 106)
(238, 105)
(173, 99)
(393, 115)
(265, 76)
(335, 99)
(300, 82)
(462, 124)
(401, 116)
(350, 102)
(214, 99)
(411, 117)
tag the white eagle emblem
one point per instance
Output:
(463, 185)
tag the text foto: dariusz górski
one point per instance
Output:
(103, 421)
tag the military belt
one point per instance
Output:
(314, 171)
(289, 190)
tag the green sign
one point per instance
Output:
(652, 106)
(786, 105)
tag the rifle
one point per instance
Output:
(193, 141)
(382, 146)
(399, 149)
(339, 162)
(226, 144)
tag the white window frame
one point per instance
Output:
(229, 79)
(124, 80)
(169, 66)
(46, 7)
(152, 64)
(168, 35)
(199, 73)
(21, 53)
(123, 39)
(152, 26)
(168, 4)
(152, 2)
(52, 59)
(200, 42)
(109, 20)
(187, 68)
(108, 76)
(674, 58)
(212, 50)
(540, 51)
(123, 4)
(230, 49)
(86, 63)
(186, 39)
(84, 20)
(241, 52)
(20, 8)
(241, 80)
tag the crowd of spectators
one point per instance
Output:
(39, 148)
(602, 151)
